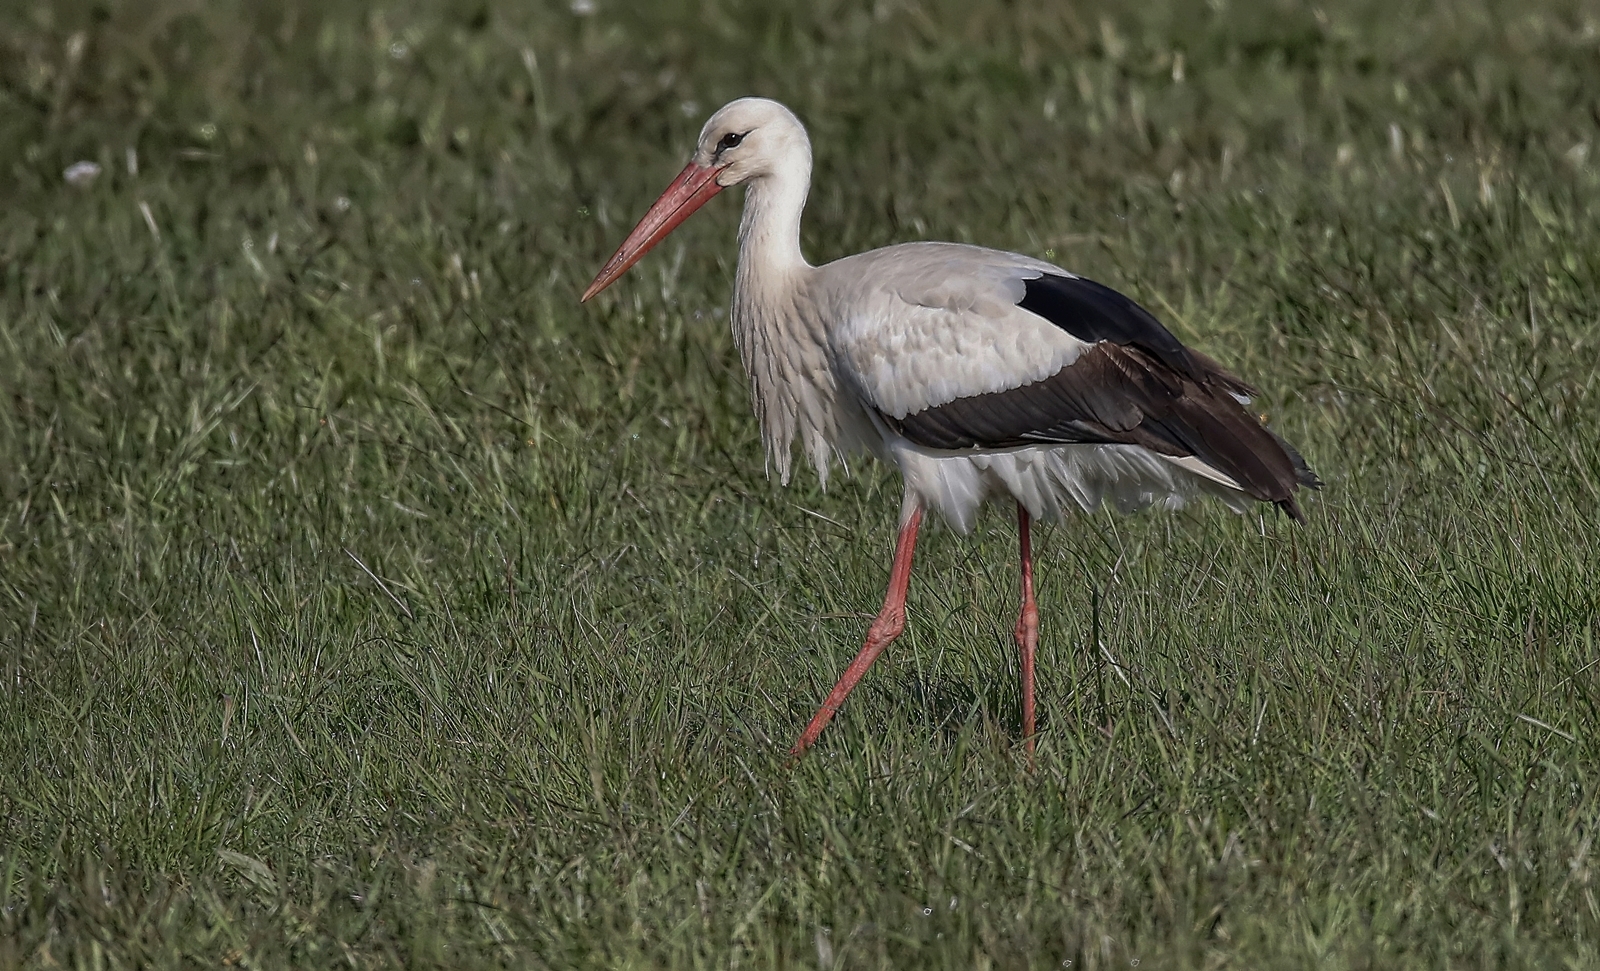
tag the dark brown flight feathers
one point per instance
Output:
(1137, 385)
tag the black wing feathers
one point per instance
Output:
(1137, 386)
(1092, 312)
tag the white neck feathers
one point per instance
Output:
(775, 322)
(769, 232)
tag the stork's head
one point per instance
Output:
(746, 140)
(750, 138)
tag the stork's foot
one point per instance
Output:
(880, 635)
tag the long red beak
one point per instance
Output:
(688, 192)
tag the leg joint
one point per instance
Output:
(887, 626)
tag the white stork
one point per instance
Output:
(978, 373)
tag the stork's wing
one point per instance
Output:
(962, 348)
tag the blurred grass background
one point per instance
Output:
(366, 601)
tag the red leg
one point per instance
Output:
(1027, 627)
(890, 622)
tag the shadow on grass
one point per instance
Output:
(951, 706)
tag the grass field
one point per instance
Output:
(366, 601)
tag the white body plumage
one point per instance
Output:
(898, 330)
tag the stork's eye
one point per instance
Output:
(730, 140)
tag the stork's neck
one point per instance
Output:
(769, 232)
